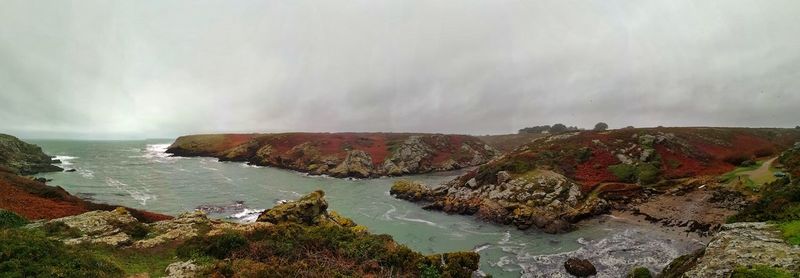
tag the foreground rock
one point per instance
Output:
(342, 154)
(579, 267)
(23, 158)
(299, 238)
(538, 198)
(738, 245)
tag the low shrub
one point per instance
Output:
(780, 201)
(764, 152)
(9, 219)
(640, 272)
(736, 159)
(29, 253)
(60, 229)
(624, 172)
(220, 246)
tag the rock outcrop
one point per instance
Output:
(23, 158)
(297, 238)
(359, 155)
(738, 245)
(539, 198)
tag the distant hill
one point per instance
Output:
(342, 154)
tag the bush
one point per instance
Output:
(780, 201)
(9, 219)
(219, 247)
(60, 229)
(624, 172)
(760, 271)
(29, 253)
(764, 152)
(736, 159)
(640, 272)
(648, 173)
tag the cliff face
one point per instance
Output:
(24, 158)
(342, 154)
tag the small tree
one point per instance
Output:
(797, 127)
(601, 126)
(558, 128)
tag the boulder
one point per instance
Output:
(580, 267)
(306, 210)
(185, 269)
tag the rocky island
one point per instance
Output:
(360, 155)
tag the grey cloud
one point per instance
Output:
(163, 68)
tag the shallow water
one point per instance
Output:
(139, 174)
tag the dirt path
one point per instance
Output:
(763, 174)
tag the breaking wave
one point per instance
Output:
(135, 193)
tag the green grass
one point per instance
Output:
(760, 271)
(135, 261)
(791, 231)
(730, 176)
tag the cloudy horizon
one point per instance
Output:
(146, 69)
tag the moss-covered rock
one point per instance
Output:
(307, 210)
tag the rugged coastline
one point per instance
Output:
(359, 155)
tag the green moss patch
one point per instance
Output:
(791, 231)
(760, 271)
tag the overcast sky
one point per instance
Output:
(138, 69)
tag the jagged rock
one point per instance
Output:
(98, 227)
(183, 227)
(408, 157)
(503, 176)
(357, 163)
(739, 244)
(579, 267)
(185, 269)
(410, 190)
(306, 210)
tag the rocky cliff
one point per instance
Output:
(24, 158)
(295, 239)
(342, 154)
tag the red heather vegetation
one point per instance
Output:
(669, 153)
(291, 147)
(35, 200)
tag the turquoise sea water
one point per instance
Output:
(139, 174)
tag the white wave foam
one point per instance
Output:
(158, 152)
(404, 218)
(65, 159)
(247, 215)
(132, 191)
(86, 173)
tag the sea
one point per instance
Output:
(140, 174)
